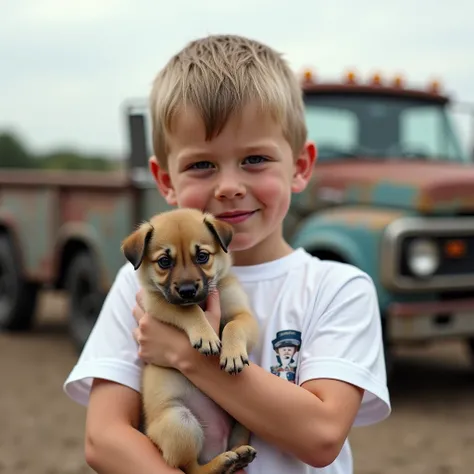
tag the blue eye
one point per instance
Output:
(201, 165)
(255, 159)
(202, 257)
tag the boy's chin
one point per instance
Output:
(242, 243)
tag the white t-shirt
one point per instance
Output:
(322, 317)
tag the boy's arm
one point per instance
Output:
(319, 414)
(113, 445)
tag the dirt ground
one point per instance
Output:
(430, 431)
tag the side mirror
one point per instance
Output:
(136, 130)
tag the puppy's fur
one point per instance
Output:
(181, 256)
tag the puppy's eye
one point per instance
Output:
(164, 262)
(202, 257)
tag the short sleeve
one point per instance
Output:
(110, 352)
(343, 340)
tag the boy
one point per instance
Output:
(229, 138)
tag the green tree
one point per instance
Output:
(13, 154)
(73, 160)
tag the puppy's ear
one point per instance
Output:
(135, 245)
(222, 231)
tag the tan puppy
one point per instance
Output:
(181, 256)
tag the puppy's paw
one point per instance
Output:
(233, 359)
(246, 455)
(208, 344)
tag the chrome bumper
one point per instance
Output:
(409, 322)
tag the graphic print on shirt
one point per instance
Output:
(286, 346)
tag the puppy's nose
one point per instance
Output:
(187, 291)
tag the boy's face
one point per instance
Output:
(245, 176)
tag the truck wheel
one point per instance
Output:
(17, 296)
(387, 350)
(85, 298)
(470, 348)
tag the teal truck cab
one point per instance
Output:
(392, 193)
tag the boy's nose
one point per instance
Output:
(229, 189)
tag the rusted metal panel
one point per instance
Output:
(425, 187)
(371, 219)
(32, 215)
(64, 178)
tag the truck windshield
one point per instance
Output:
(381, 127)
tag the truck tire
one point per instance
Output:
(387, 350)
(470, 348)
(85, 297)
(17, 296)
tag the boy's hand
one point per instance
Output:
(162, 344)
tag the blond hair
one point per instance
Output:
(217, 76)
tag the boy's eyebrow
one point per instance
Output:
(191, 154)
(266, 146)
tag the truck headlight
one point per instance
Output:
(423, 257)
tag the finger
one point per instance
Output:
(213, 304)
(136, 334)
(137, 313)
(139, 299)
(213, 311)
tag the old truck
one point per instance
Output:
(392, 193)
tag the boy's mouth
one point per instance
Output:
(235, 217)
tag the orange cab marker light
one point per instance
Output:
(434, 87)
(376, 79)
(351, 77)
(455, 248)
(398, 81)
(308, 75)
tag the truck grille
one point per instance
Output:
(450, 265)
(456, 271)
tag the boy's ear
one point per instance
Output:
(135, 245)
(163, 181)
(304, 166)
(221, 231)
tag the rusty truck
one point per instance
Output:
(392, 193)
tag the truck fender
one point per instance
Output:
(74, 237)
(8, 227)
(317, 238)
(354, 233)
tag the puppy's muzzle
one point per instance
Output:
(188, 292)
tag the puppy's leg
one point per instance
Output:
(173, 427)
(180, 437)
(168, 422)
(239, 442)
(239, 436)
(240, 331)
(178, 434)
(236, 342)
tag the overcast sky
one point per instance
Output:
(66, 67)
